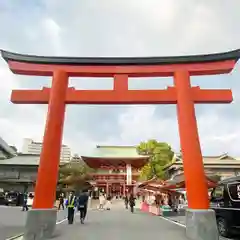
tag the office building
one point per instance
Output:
(35, 148)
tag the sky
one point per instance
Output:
(128, 28)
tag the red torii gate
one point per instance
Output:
(182, 94)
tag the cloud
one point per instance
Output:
(120, 28)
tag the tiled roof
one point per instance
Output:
(6, 149)
(223, 159)
(114, 152)
(22, 160)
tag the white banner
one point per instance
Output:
(129, 174)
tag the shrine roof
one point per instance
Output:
(153, 182)
(221, 160)
(115, 156)
(107, 61)
(115, 152)
(178, 181)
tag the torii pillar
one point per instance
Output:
(201, 222)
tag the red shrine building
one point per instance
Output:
(117, 169)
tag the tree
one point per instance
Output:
(160, 154)
(74, 175)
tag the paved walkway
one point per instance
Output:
(119, 224)
(181, 220)
(12, 221)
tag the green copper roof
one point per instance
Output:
(114, 152)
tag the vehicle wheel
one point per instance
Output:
(222, 227)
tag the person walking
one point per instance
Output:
(131, 202)
(82, 205)
(101, 201)
(61, 201)
(71, 204)
(108, 204)
(25, 199)
(126, 201)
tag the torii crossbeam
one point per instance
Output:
(120, 69)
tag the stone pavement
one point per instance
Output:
(182, 220)
(179, 219)
(12, 221)
(119, 223)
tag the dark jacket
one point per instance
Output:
(25, 197)
(83, 200)
(61, 199)
(132, 201)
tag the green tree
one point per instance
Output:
(74, 175)
(160, 154)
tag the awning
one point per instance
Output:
(179, 182)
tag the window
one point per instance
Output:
(218, 192)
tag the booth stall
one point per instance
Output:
(166, 197)
(155, 198)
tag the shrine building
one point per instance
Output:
(224, 166)
(117, 169)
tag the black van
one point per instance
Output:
(225, 201)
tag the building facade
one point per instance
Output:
(112, 165)
(31, 147)
(20, 172)
(224, 166)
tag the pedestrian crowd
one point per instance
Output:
(174, 201)
(81, 204)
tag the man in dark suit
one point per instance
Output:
(82, 205)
